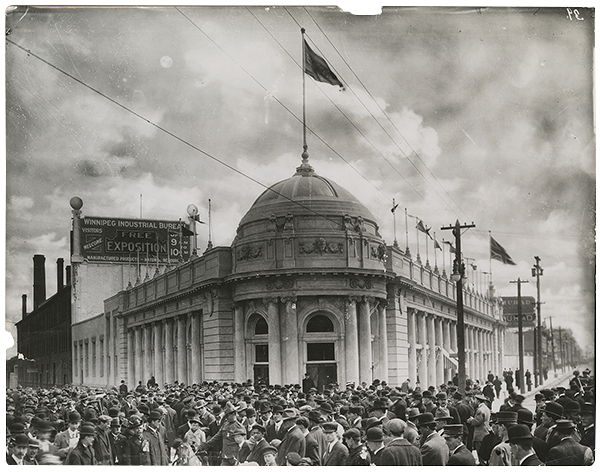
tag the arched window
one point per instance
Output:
(261, 326)
(319, 324)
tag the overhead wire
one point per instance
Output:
(389, 119)
(282, 104)
(166, 131)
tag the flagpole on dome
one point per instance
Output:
(304, 144)
(406, 226)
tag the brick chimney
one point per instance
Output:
(39, 280)
(24, 305)
(68, 275)
(60, 273)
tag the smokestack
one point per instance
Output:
(60, 273)
(24, 305)
(68, 275)
(39, 280)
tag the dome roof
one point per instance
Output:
(306, 193)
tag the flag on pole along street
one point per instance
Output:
(421, 227)
(393, 210)
(499, 253)
(317, 68)
(185, 231)
(436, 245)
(452, 250)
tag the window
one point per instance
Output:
(320, 324)
(261, 326)
(320, 352)
(262, 352)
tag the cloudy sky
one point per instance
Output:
(481, 115)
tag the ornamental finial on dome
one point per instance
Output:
(305, 166)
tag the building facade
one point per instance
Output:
(308, 285)
(44, 333)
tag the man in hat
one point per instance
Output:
(83, 453)
(428, 403)
(521, 446)
(588, 430)
(17, 450)
(223, 440)
(269, 455)
(525, 417)
(316, 432)
(65, 441)
(307, 383)
(551, 412)
(433, 447)
(465, 411)
(293, 439)
(357, 451)
(399, 451)
(102, 444)
(411, 432)
(274, 425)
(489, 442)
(135, 447)
(459, 454)
(156, 440)
(480, 421)
(32, 453)
(568, 451)
(253, 450)
(335, 453)
(540, 401)
(116, 439)
(501, 454)
(375, 445)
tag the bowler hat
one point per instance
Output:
(524, 416)
(293, 458)
(425, 419)
(21, 440)
(326, 407)
(368, 423)
(453, 430)
(315, 416)
(154, 415)
(329, 427)
(87, 430)
(258, 427)
(572, 407)
(519, 431)
(374, 434)
(553, 409)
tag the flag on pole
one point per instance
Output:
(436, 245)
(499, 253)
(393, 210)
(185, 231)
(421, 227)
(452, 250)
(317, 68)
(196, 217)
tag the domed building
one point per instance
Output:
(307, 286)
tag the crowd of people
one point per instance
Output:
(227, 424)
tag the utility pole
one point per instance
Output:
(520, 318)
(458, 274)
(562, 361)
(536, 271)
(553, 352)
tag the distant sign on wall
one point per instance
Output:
(129, 241)
(511, 310)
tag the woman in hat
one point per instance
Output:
(84, 454)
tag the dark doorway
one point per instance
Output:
(261, 374)
(322, 372)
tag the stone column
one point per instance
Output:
(431, 368)
(158, 357)
(383, 373)
(481, 351)
(181, 349)
(365, 360)
(272, 304)
(423, 375)
(352, 357)
(289, 337)
(239, 344)
(453, 341)
(130, 380)
(439, 335)
(168, 350)
(138, 355)
(412, 341)
(196, 342)
(494, 355)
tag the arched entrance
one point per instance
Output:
(258, 347)
(321, 360)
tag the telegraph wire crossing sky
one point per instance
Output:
(481, 115)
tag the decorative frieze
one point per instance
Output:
(320, 246)
(280, 284)
(248, 252)
(361, 283)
